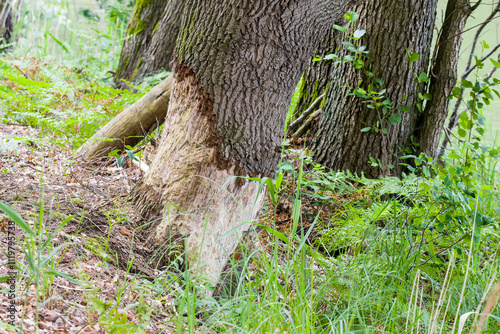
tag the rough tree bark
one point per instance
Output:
(443, 77)
(234, 74)
(153, 28)
(391, 27)
(8, 19)
(316, 74)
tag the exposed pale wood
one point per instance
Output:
(128, 127)
(141, 165)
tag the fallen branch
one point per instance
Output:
(306, 124)
(127, 127)
(295, 124)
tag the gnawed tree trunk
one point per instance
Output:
(129, 127)
(153, 29)
(443, 77)
(236, 66)
(8, 19)
(392, 26)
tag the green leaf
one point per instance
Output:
(352, 16)
(358, 63)
(271, 188)
(70, 278)
(495, 63)
(447, 181)
(352, 49)
(131, 156)
(42, 263)
(286, 166)
(359, 33)
(279, 179)
(330, 56)
(426, 171)
(467, 84)
(427, 96)
(339, 28)
(414, 57)
(422, 77)
(368, 128)
(5, 278)
(395, 118)
(61, 44)
(120, 161)
(16, 218)
(113, 153)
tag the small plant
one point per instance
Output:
(41, 256)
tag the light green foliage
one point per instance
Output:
(295, 98)
(99, 247)
(41, 255)
(65, 91)
(116, 214)
(156, 28)
(58, 100)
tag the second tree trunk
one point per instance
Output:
(392, 27)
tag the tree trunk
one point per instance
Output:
(443, 77)
(392, 26)
(8, 19)
(129, 126)
(234, 74)
(317, 73)
(152, 30)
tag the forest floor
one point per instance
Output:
(47, 186)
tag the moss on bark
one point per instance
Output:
(137, 24)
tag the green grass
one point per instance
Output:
(61, 101)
